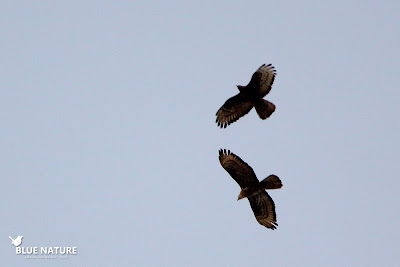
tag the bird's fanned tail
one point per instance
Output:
(264, 108)
(271, 182)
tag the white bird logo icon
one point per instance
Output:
(17, 241)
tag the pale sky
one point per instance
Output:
(109, 141)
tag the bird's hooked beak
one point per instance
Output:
(240, 196)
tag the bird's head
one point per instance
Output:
(241, 195)
(240, 87)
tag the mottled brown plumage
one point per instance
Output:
(261, 203)
(249, 96)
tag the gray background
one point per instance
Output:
(108, 140)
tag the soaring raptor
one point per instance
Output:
(248, 97)
(261, 203)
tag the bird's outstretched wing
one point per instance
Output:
(240, 171)
(233, 109)
(263, 79)
(264, 209)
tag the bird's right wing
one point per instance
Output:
(240, 171)
(264, 209)
(263, 79)
(233, 109)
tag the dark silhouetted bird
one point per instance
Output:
(261, 203)
(249, 96)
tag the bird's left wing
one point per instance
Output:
(264, 209)
(234, 108)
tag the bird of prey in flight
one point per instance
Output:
(261, 203)
(248, 97)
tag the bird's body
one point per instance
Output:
(271, 182)
(17, 241)
(249, 96)
(261, 203)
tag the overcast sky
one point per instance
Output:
(109, 144)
